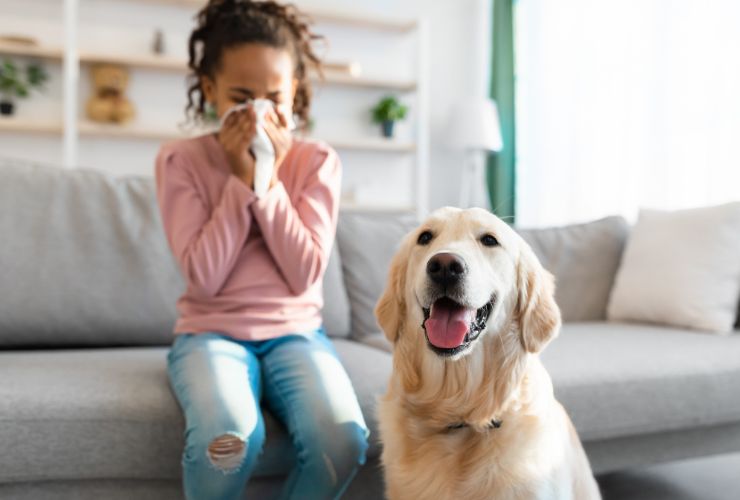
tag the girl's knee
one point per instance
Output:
(340, 451)
(228, 452)
(218, 467)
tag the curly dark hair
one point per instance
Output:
(223, 24)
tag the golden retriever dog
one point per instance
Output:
(470, 411)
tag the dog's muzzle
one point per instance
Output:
(450, 327)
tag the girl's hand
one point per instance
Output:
(235, 137)
(276, 126)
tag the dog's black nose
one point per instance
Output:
(446, 268)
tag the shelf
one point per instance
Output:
(150, 61)
(19, 49)
(169, 63)
(365, 82)
(387, 145)
(26, 126)
(130, 131)
(88, 128)
(92, 129)
(349, 207)
(321, 15)
(368, 22)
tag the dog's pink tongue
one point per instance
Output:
(447, 324)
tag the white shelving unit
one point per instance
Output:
(73, 58)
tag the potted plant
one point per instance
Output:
(387, 112)
(15, 85)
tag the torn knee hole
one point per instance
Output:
(227, 452)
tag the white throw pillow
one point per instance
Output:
(681, 269)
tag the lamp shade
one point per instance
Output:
(474, 124)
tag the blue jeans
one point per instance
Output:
(220, 383)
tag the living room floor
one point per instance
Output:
(713, 478)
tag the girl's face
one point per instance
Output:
(252, 71)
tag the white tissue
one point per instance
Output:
(261, 146)
(264, 153)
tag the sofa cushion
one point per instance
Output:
(625, 379)
(620, 379)
(681, 268)
(110, 413)
(85, 262)
(335, 312)
(367, 242)
(584, 259)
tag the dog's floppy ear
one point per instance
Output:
(391, 307)
(539, 315)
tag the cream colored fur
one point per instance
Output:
(536, 453)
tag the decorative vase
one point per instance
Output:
(388, 128)
(6, 108)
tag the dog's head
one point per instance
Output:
(464, 275)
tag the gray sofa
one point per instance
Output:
(87, 294)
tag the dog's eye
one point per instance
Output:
(425, 238)
(489, 240)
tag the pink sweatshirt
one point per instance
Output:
(253, 266)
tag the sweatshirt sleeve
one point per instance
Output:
(300, 236)
(205, 245)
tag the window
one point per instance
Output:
(623, 104)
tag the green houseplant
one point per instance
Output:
(14, 84)
(387, 112)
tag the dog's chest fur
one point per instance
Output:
(516, 460)
(472, 464)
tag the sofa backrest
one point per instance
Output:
(367, 243)
(584, 259)
(84, 262)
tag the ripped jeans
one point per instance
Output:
(220, 383)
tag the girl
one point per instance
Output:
(249, 329)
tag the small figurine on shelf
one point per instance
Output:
(387, 112)
(13, 85)
(158, 46)
(109, 103)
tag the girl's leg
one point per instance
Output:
(217, 382)
(307, 388)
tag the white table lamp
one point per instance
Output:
(474, 127)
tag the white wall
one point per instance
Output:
(458, 53)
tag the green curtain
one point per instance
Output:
(502, 165)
